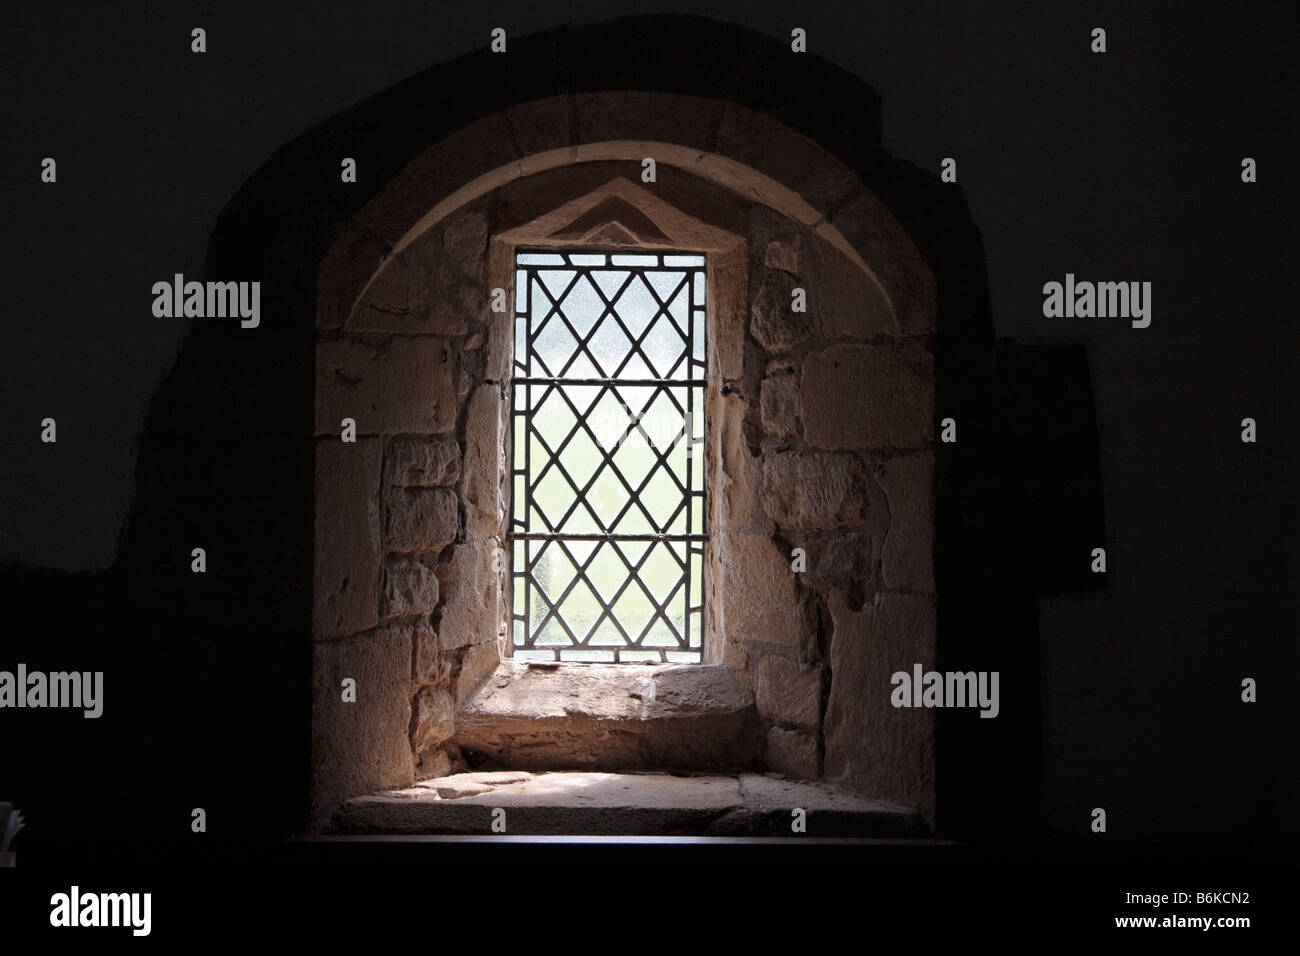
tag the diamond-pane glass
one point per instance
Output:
(607, 514)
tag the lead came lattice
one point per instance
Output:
(607, 527)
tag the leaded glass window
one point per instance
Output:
(607, 521)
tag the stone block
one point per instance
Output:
(869, 396)
(814, 492)
(483, 470)
(772, 322)
(403, 297)
(884, 245)
(436, 285)
(422, 462)
(785, 252)
(464, 240)
(471, 590)
(740, 473)
(389, 385)
(839, 560)
(728, 313)
(542, 125)
(434, 764)
(477, 662)
(566, 803)
(872, 746)
(779, 403)
(433, 664)
(363, 746)
(346, 565)
(792, 160)
(422, 520)
(759, 597)
(409, 588)
(850, 303)
(789, 692)
(435, 718)
(601, 716)
(344, 272)
(792, 753)
(908, 559)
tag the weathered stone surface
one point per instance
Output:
(793, 753)
(346, 571)
(409, 588)
(435, 763)
(908, 559)
(728, 313)
(789, 158)
(394, 299)
(872, 746)
(627, 804)
(696, 717)
(850, 303)
(734, 655)
(419, 519)
(814, 492)
(464, 239)
(433, 665)
(431, 287)
(435, 718)
(869, 396)
(484, 465)
(789, 692)
(499, 354)
(780, 405)
(888, 251)
(458, 305)
(740, 473)
(344, 272)
(477, 662)
(471, 594)
(784, 252)
(453, 791)
(833, 561)
(389, 385)
(497, 778)
(422, 462)
(772, 322)
(362, 746)
(772, 792)
(542, 125)
(759, 597)
(405, 297)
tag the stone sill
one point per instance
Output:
(571, 715)
(609, 691)
(626, 804)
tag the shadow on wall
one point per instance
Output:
(218, 665)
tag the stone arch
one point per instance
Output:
(818, 190)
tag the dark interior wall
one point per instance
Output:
(1139, 676)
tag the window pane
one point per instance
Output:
(609, 405)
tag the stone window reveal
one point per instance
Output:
(819, 425)
(607, 527)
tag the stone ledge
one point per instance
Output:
(625, 804)
(613, 716)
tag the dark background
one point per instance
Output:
(1122, 166)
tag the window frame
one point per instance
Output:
(695, 382)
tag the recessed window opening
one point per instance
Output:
(607, 529)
